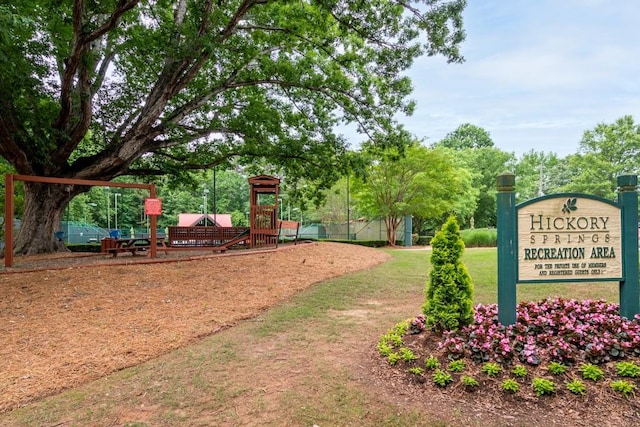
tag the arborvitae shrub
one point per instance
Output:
(449, 294)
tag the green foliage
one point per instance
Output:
(492, 369)
(623, 387)
(607, 151)
(393, 358)
(431, 362)
(424, 240)
(510, 385)
(557, 368)
(392, 340)
(540, 173)
(422, 182)
(384, 348)
(519, 371)
(467, 136)
(543, 386)
(457, 365)
(475, 149)
(479, 237)
(628, 369)
(591, 372)
(469, 381)
(441, 378)
(407, 355)
(416, 370)
(150, 88)
(401, 328)
(576, 386)
(449, 293)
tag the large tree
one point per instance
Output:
(467, 136)
(539, 173)
(475, 148)
(98, 90)
(422, 182)
(606, 152)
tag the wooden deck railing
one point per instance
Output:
(200, 236)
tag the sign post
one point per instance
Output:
(506, 205)
(567, 237)
(153, 208)
(628, 200)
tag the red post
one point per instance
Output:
(8, 220)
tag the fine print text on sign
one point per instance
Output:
(567, 238)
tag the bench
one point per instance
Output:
(133, 245)
(288, 229)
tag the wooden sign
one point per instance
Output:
(152, 206)
(565, 237)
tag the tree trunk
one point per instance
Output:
(44, 206)
(392, 228)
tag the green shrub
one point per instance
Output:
(591, 372)
(456, 365)
(542, 386)
(623, 387)
(519, 371)
(431, 362)
(492, 369)
(557, 368)
(628, 369)
(424, 240)
(576, 386)
(449, 294)
(441, 378)
(407, 355)
(384, 348)
(510, 385)
(469, 382)
(401, 328)
(393, 358)
(416, 370)
(480, 237)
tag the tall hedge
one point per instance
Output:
(449, 291)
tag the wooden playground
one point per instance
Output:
(265, 229)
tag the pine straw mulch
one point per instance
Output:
(74, 319)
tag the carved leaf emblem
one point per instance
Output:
(569, 206)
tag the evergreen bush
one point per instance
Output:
(449, 294)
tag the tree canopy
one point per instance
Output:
(425, 183)
(467, 136)
(97, 90)
(475, 149)
(606, 152)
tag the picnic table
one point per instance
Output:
(133, 245)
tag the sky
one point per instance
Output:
(537, 74)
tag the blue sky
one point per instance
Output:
(538, 73)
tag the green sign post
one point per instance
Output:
(567, 237)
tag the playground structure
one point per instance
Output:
(265, 229)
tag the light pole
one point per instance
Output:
(108, 208)
(204, 199)
(115, 206)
